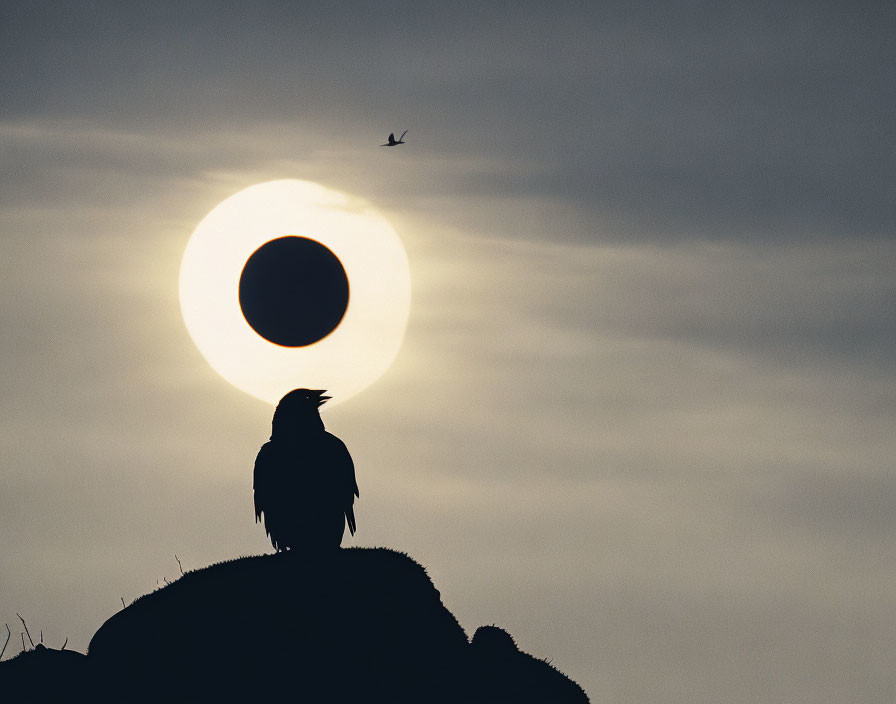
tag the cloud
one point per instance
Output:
(760, 124)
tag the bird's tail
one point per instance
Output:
(350, 519)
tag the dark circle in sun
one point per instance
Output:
(293, 291)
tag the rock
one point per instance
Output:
(42, 673)
(503, 673)
(357, 625)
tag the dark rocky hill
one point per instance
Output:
(355, 625)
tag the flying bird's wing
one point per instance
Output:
(344, 469)
(402, 135)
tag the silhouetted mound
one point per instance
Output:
(356, 625)
(353, 624)
(43, 673)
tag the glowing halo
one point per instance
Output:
(362, 345)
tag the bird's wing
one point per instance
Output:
(391, 138)
(402, 135)
(344, 468)
(264, 481)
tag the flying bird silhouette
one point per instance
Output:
(392, 142)
(304, 479)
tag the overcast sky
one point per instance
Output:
(643, 414)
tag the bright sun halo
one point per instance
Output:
(366, 338)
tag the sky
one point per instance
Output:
(643, 414)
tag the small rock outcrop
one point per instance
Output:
(43, 674)
(504, 673)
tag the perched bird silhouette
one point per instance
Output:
(392, 142)
(304, 480)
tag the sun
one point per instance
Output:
(290, 284)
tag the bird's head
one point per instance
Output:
(298, 410)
